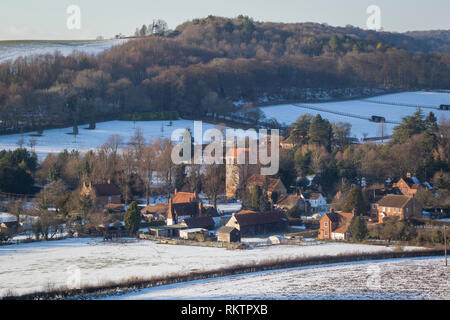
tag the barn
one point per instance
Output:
(228, 234)
(253, 223)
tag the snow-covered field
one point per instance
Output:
(403, 279)
(30, 267)
(289, 113)
(57, 140)
(11, 50)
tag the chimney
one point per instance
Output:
(171, 217)
(195, 195)
(109, 181)
(200, 208)
(176, 191)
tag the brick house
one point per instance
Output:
(409, 185)
(267, 183)
(336, 225)
(400, 206)
(253, 223)
(102, 194)
(183, 205)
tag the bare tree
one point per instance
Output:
(214, 182)
(147, 166)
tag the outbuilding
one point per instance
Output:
(228, 234)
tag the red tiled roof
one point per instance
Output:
(159, 208)
(289, 201)
(394, 201)
(184, 197)
(341, 221)
(260, 180)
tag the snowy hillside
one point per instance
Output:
(10, 50)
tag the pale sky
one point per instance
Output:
(47, 19)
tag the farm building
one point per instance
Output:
(172, 231)
(192, 234)
(205, 222)
(183, 205)
(252, 223)
(228, 234)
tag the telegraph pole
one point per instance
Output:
(445, 245)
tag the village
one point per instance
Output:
(191, 218)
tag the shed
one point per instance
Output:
(228, 234)
(187, 233)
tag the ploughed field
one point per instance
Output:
(405, 279)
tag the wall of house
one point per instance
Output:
(404, 188)
(412, 209)
(103, 201)
(325, 228)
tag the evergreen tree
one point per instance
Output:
(254, 198)
(355, 200)
(132, 218)
(410, 126)
(358, 229)
(321, 132)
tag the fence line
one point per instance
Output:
(401, 104)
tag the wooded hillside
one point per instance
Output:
(205, 64)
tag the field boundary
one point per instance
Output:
(134, 284)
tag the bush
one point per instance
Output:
(294, 212)
(132, 218)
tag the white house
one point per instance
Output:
(317, 202)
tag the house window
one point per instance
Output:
(325, 233)
(374, 206)
(109, 199)
(325, 224)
